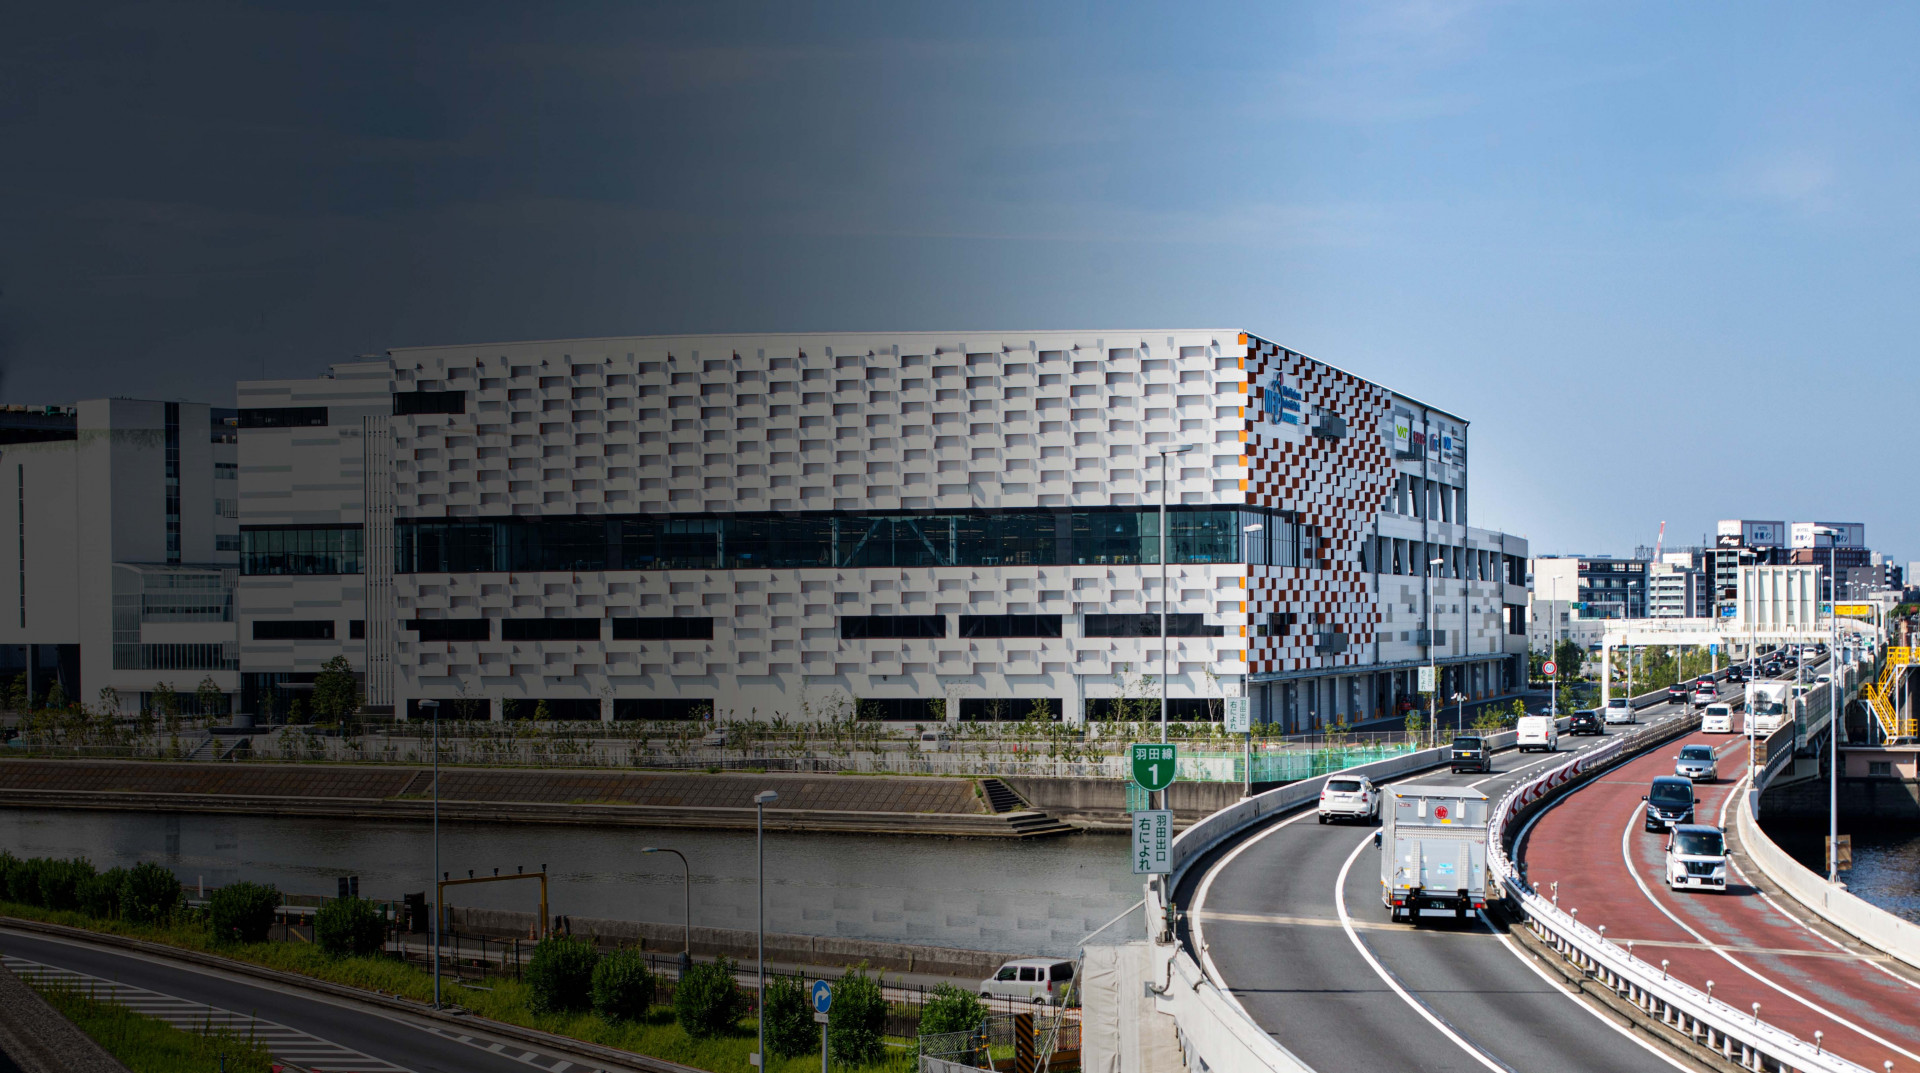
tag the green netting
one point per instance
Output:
(1288, 765)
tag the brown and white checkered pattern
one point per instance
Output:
(1334, 485)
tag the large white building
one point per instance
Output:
(898, 525)
(121, 551)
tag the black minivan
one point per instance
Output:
(1669, 803)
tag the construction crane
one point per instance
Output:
(1659, 542)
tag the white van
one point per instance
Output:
(1041, 980)
(1620, 711)
(1718, 719)
(1538, 732)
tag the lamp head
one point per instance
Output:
(766, 797)
(1180, 450)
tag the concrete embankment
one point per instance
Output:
(668, 939)
(864, 804)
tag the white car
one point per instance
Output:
(1696, 858)
(1039, 980)
(1718, 719)
(1349, 797)
(1537, 732)
(1619, 711)
(1704, 694)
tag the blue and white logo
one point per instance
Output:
(822, 996)
(1272, 401)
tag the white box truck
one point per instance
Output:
(1766, 706)
(1434, 851)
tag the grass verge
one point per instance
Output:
(658, 1036)
(149, 1045)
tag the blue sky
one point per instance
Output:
(1660, 255)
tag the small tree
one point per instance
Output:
(168, 702)
(560, 975)
(789, 1018)
(242, 912)
(109, 701)
(622, 986)
(349, 927)
(56, 696)
(707, 1001)
(542, 713)
(336, 693)
(859, 1019)
(150, 894)
(297, 711)
(211, 700)
(951, 1009)
(17, 693)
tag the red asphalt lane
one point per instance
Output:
(1579, 844)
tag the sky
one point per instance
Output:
(1663, 257)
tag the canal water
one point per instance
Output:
(1886, 860)
(983, 894)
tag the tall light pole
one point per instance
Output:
(1164, 452)
(1433, 664)
(432, 708)
(686, 947)
(1833, 708)
(760, 802)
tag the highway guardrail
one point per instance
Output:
(1735, 1034)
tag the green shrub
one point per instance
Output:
(791, 1030)
(150, 894)
(60, 882)
(349, 927)
(559, 976)
(242, 912)
(23, 881)
(859, 1019)
(100, 894)
(622, 986)
(951, 1009)
(707, 1002)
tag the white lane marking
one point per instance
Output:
(1591, 1008)
(1419, 1007)
(1878, 961)
(1626, 858)
(192, 1016)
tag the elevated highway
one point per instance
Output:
(1288, 921)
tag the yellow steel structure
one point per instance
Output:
(1880, 692)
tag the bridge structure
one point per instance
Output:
(1268, 947)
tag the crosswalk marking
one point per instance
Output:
(287, 1043)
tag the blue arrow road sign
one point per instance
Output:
(822, 996)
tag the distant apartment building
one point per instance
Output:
(123, 550)
(1740, 543)
(906, 526)
(1677, 591)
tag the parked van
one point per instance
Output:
(1538, 732)
(1041, 980)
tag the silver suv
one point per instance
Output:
(1697, 764)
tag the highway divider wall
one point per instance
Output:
(1735, 1034)
(1210, 1023)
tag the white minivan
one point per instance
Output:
(1620, 711)
(1718, 719)
(1043, 980)
(1538, 732)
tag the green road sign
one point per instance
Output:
(1153, 765)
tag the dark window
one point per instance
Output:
(283, 417)
(549, 629)
(429, 402)
(315, 629)
(896, 709)
(559, 709)
(1009, 625)
(321, 549)
(464, 708)
(357, 629)
(663, 629)
(450, 629)
(876, 627)
(636, 709)
(1147, 709)
(1009, 709)
(1181, 625)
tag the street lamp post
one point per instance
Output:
(1833, 709)
(432, 707)
(1459, 716)
(1433, 665)
(686, 942)
(1164, 452)
(760, 802)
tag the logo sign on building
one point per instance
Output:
(1239, 715)
(1426, 679)
(1271, 404)
(1152, 842)
(1402, 434)
(1153, 765)
(1853, 610)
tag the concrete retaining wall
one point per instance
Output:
(1104, 801)
(740, 944)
